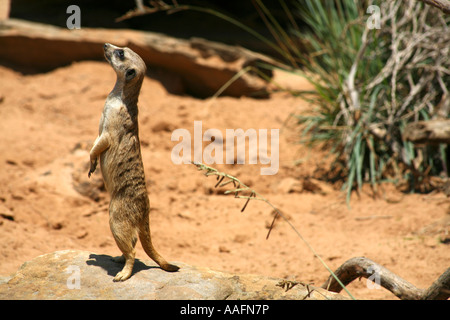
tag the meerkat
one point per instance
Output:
(118, 148)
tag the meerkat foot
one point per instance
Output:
(126, 271)
(122, 275)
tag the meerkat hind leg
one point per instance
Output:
(125, 237)
(122, 259)
(127, 270)
(119, 259)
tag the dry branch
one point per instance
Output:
(443, 5)
(440, 289)
(428, 132)
(364, 267)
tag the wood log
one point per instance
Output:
(428, 132)
(363, 267)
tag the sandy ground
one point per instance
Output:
(48, 123)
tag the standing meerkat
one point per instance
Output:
(119, 150)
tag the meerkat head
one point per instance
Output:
(129, 67)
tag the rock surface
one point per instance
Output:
(202, 66)
(72, 274)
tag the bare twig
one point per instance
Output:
(443, 5)
(141, 9)
(353, 94)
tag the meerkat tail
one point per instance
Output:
(145, 238)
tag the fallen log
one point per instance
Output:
(363, 267)
(428, 132)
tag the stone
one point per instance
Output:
(203, 66)
(73, 274)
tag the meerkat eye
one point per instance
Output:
(120, 54)
(131, 73)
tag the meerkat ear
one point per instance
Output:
(130, 74)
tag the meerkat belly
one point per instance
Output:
(122, 168)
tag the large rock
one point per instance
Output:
(203, 66)
(75, 274)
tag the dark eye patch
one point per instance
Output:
(120, 54)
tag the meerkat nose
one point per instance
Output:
(106, 46)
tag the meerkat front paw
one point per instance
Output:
(93, 167)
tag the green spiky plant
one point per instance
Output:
(371, 79)
(371, 82)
